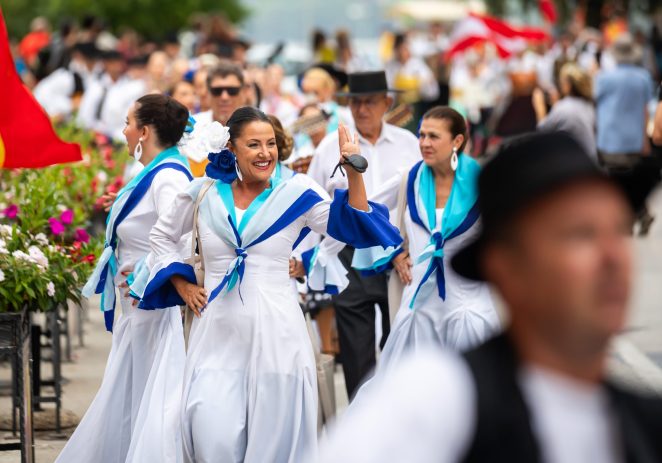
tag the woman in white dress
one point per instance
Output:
(250, 391)
(135, 415)
(438, 307)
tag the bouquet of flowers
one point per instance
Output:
(47, 250)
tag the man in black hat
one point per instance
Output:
(390, 151)
(556, 245)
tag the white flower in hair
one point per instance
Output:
(217, 137)
(210, 137)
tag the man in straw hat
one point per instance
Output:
(556, 244)
(390, 151)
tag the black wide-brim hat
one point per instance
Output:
(530, 167)
(367, 83)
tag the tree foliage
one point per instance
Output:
(151, 18)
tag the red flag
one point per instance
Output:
(548, 10)
(27, 138)
(507, 39)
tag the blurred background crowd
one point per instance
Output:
(505, 79)
(589, 70)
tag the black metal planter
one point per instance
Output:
(15, 344)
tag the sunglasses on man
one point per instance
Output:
(218, 91)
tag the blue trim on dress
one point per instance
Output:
(160, 293)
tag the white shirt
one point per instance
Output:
(571, 419)
(54, 92)
(119, 96)
(395, 152)
(424, 411)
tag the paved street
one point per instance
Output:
(637, 354)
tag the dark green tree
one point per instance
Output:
(151, 18)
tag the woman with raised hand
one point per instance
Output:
(134, 416)
(439, 195)
(250, 390)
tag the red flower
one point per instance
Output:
(90, 258)
(67, 216)
(11, 212)
(56, 226)
(80, 235)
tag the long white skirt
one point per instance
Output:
(135, 415)
(433, 326)
(250, 392)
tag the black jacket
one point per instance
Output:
(504, 432)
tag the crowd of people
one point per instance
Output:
(358, 196)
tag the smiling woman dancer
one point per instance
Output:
(249, 389)
(134, 416)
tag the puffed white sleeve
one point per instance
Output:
(164, 189)
(167, 253)
(422, 411)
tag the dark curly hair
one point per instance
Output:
(167, 116)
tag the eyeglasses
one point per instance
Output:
(218, 91)
(368, 102)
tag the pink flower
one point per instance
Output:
(56, 226)
(81, 235)
(67, 216)
(11, 212)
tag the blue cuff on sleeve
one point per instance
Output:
(361, 229)
(160, 293)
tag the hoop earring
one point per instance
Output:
(138, 151)
(236, 166)
(454, 159)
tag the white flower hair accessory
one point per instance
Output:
(210, 137)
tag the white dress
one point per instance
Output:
(135, 415)
(464, 319)
(250, 387)
(250, 392)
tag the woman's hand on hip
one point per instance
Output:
(194, 296)
(297, 270)
(125, 286)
